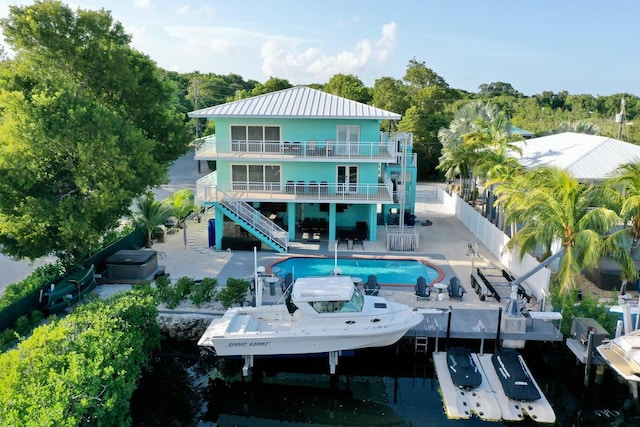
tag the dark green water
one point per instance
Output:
(375, 387)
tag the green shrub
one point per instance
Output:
(204, 291)
(7, 338)
(184, 285)
(587, 306)
(41, 275)
(172, 296)
(234, 293)
(169, 296)
(92, 360)
(23, 327)
(163, 281)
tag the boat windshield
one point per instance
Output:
(354, 305)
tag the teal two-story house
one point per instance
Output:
(304, 164)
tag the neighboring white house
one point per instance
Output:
(588, 158)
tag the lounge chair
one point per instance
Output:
(456, 291)
(372, 286)
(422, 290)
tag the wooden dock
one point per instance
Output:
(481, 324)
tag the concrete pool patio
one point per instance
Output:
(444, 244)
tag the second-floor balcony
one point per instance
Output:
(209, 190)
(209, 148)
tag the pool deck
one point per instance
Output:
(444, 244)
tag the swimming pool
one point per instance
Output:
(390, 271)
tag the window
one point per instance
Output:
(250, 138)
(255, 177)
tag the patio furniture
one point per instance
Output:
(456, 291)
(422, 290)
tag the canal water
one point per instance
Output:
(389, 386)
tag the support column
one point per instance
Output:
(291, 220)
(373, 223)
(332, 221)
(219, 216)
(333, 361)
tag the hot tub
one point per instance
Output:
(132, 265)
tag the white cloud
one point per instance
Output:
(285, 58)
(197, 12)
(142, 4)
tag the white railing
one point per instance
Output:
(206, 147)
(205, 188)
(405, 238)
(257, 221)
(209, 190)
(210, 147)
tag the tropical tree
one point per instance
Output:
(419, 76)
(579, 126)
(87, 125)
(274, 84)
(625, 184)
(553, 208)
(348, 86)
(391, 95)
(469, 134)
(182, 203)
(149, 214)
(428, 95)
(495, 156)
(497, 89)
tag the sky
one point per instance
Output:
(581, 46)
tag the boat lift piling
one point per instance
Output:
(437, 333)
(497, 345)
(482, 329)
(448, 335)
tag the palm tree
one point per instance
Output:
(149, 214)
(495, 151)
(183, 203)
(553, 208)
(625, 196)
(579, 126)
(477, 129)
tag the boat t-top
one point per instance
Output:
(325, 314)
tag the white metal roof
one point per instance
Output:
(299, 101)
(586, 157)
(323, 288)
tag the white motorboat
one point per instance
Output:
(319, 315)
(623, 355)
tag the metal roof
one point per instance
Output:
(296, 102)
(586, 157)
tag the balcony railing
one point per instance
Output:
(210, 148)
(209, 190)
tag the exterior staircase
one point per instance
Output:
(254, 222)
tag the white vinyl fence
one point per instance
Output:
(496, 242)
